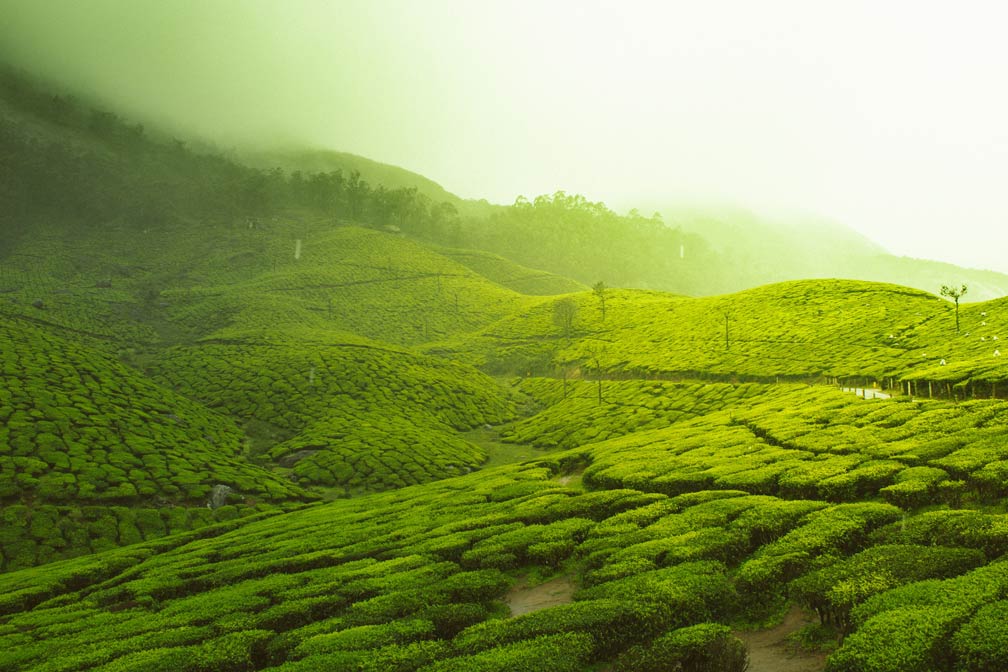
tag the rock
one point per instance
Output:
(38, 303)
(218, 496)
(288, 461)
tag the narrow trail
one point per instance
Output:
(524, 599)
(769, 650)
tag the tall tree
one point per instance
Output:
(954, 293)
(564, 312)
(600, 289)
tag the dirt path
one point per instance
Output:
(769, 652)
(523, 599)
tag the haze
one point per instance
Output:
(887, 117)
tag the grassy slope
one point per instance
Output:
(807, 330)
(274, 330)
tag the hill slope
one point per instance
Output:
(174, 321)
(669, 547)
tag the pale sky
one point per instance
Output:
(889, 117)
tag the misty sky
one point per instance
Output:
(890, 117)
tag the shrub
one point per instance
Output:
(613, 625)
(981, 645)
(834, 590)
(704, 647)
(910, 639)
(567, 652)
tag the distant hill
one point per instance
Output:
(763, 249)
(375, 172)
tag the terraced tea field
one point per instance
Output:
(683, 484)
(664, 558)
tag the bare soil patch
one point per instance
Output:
(524, 599)
(769, 650)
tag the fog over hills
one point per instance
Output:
(317, 351)
(789, 107)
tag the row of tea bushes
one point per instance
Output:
(834, 590)
(950, 624)
(76, 425)
(820, 443)
(36, 535)
(628, 406)
(409, 578)
(375, 450)
(413, 579)
(351, 415)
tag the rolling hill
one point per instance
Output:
(251, 426)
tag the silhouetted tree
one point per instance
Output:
(564, 312)
(600, 290)
(954, 293)
(594, 356)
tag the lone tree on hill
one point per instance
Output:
(594, 357)
(564, 312)
(954, 293)
(600, 289)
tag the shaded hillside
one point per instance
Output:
(392, 177)
(349, 413)
(79, 427)
(511, 275)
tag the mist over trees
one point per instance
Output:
(64, 158)
(582, 239)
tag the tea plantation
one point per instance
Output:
(683, 503)
(811, 330)
(252, 421)
(80, 427)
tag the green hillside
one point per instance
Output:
(348, 414)
(259, 420)
(392, 177)
(81, 427)
(511, 275)
(720, 522)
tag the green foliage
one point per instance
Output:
(982, 642)
(562, 652)
(836, 589)
(204, 323)
(697, 648)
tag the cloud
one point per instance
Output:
(886, 116)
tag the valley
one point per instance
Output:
(268, 424)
